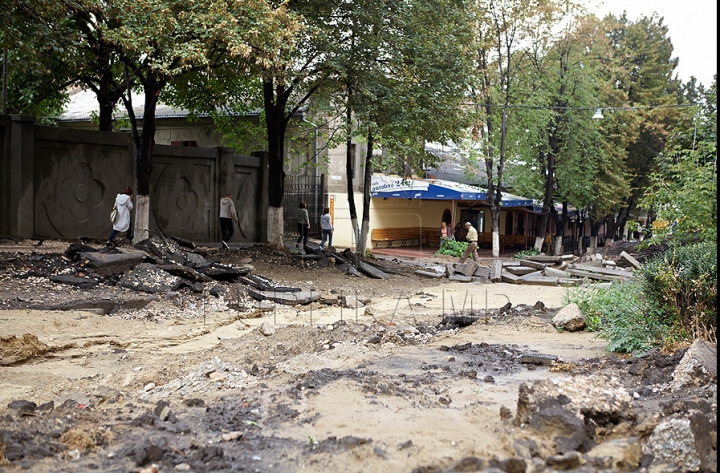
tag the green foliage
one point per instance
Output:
(682, 282)
(525, 253)
(673, 303)
(452, 248)
(622, 315)
(683, 190)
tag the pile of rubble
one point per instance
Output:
(158, 266)
(562, 270)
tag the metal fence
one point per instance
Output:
(302, 188)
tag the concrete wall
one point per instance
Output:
(62, 183)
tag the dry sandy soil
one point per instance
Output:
(182, 382)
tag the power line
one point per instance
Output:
(545, 107)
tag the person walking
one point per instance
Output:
(303, 226)
(122, 223)
(472, 238)
(227, 216)
(327, 228)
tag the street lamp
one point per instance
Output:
(598, 114)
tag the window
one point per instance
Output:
(187, 143)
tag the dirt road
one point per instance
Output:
(188, 384)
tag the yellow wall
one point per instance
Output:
(394, 213)
(390, 213)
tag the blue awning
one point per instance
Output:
(399, 188)
(510, 200)
(385, 187)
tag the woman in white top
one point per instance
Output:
(228, 215)
(123, 204)
(327, 228)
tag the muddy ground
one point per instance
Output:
(114, 380)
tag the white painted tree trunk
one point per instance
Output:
(539, 243)
(496, 243)
(593, 242)
(361, 249)
(609, 241)
(275, 227)
(557, 246)
(142, 218)
(356, 232)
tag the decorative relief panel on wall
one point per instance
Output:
(182, 193)
(75, 187)
(245, 196)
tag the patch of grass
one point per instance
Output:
(623, 315)
(525, 253)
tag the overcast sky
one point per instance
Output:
(692, 27)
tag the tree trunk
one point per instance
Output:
(547, 202)
(495, 227)
(275, 227)
(276, 123)
(617, 227)
(496, 204)
(560, 225)
(594, 231)
(145, 144)
(107, 94)
(105, 116)
(350, 170)
(581, 235)
(366, 197)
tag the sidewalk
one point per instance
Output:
(429, 252)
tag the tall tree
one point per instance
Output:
(644, 50)
(154, 42)
(576, 160)
(159, 41)
(69, 35)
(683, 188)
(402, 75)
(502, 30)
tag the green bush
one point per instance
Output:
(525, 253)
(622, 315)
(673, 302)
(452, 248)
(682, 281)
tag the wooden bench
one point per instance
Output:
(396, 236)
(431, 236)
(513, 240)
(485, 238)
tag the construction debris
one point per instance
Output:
(563, 270)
